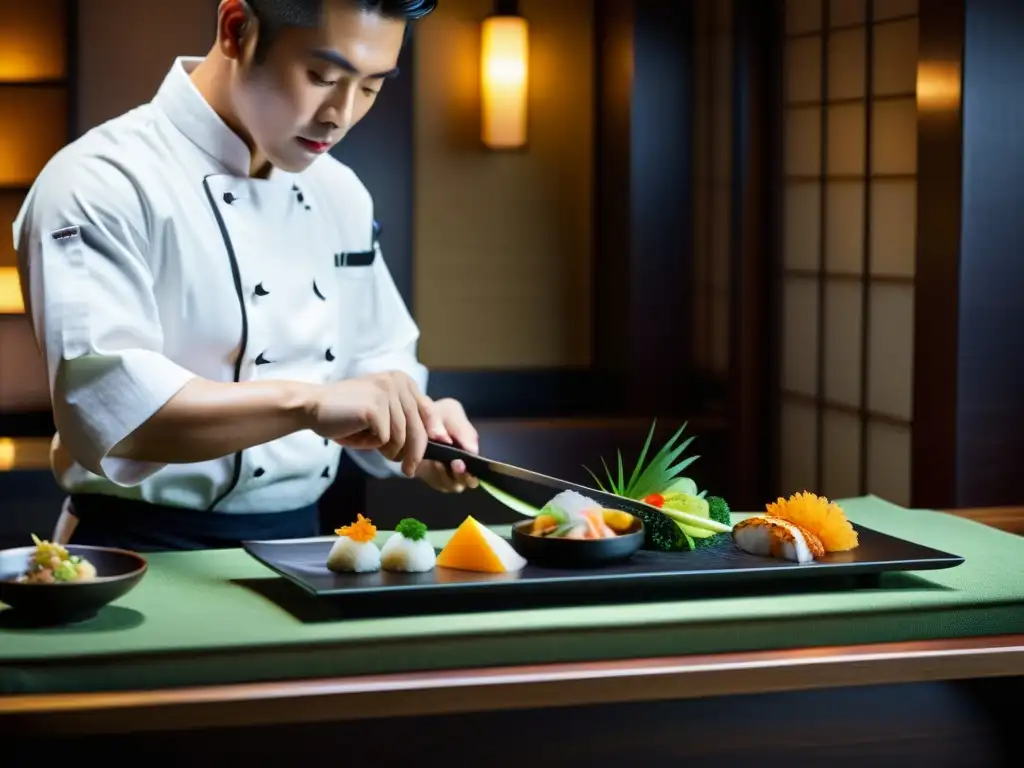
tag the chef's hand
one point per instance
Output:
(384, 412)
(459, 431)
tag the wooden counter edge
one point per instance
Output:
(494, 689)
(1009, 519)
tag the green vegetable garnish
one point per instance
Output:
(46, 551)
(695, 521)
(682, 485)
(66, 571)
(653, 478)
(559, 514)
(719, 511)
(563, 530)
(691, 504)
(660, 532)
(412, 529)
(510, 501)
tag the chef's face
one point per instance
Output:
(312, 85)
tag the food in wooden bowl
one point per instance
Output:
(51, 584)
(573, 531)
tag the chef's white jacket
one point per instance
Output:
(150, 256)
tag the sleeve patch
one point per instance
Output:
(67, 233)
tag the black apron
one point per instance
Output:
(109, 521)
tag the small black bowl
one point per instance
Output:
(117, 573)
(576, 553)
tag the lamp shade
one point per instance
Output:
(504, 78)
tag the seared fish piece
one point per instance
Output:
(773, 537)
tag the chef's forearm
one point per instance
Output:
(206, 420)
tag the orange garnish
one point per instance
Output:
(361, 530)
(821, 517)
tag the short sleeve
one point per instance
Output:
(84, 259)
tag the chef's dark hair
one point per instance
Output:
(275, 15)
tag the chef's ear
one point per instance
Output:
(235, 19)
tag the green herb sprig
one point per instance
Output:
(653, 478)
(411, 528)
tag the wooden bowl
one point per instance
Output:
(576, 553)
(117, 573)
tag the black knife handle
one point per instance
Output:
(446, 454)
(477, 466)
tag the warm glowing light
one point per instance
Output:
(32, 40)
(504, 78)
(33, 128)
(938, 85)
(7, 454)
(10, 292)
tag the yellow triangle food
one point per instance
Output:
(474, 547)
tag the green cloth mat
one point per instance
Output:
(187, 623)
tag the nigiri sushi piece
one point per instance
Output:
(768, 536)
(355, 550)
(408, 551)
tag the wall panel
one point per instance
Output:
(848, 278)
(37, 104)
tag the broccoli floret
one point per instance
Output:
(661, 533)
(717, 540)
(718, 510)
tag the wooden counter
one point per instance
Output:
(520, 687)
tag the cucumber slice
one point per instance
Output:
(693, 521)
(681, 485)
(517, 505)
(695, 533)
(687, 503)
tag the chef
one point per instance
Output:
(208, 287)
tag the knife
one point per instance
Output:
(525, 484)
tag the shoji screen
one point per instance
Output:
(850, 163)
(34, 109)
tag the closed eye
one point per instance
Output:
(317, 80)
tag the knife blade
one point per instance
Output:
(512, 479)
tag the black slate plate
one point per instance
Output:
(303, 562)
